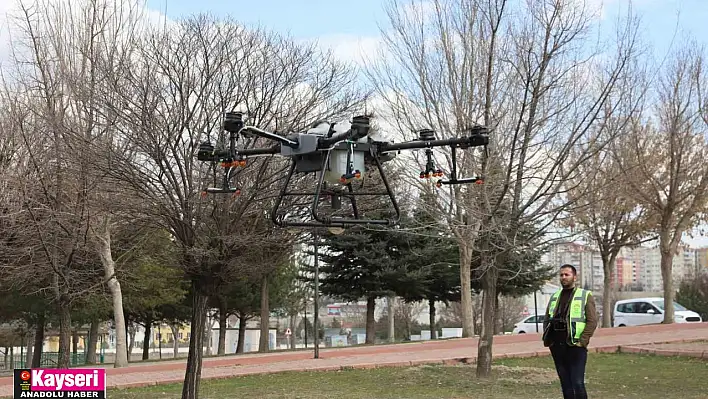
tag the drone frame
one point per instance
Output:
(308, 144)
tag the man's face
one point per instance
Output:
(567, 278)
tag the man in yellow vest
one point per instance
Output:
(571, 319)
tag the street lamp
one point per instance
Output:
(316, 238)
(535, 308)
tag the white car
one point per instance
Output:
(528, 325)
(640, 311)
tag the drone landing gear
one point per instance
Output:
(335, 196)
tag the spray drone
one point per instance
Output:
(339, 154)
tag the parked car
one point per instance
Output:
(640, 311)
(528, 325)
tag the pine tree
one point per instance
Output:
(359, 263)
(430, 264)
(522, 271)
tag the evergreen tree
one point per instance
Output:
(430, 262)
(361, 262)
(693, 294)
(521, 271)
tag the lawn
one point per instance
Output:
(608, 376)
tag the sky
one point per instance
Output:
(352, 26)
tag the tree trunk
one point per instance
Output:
(148, 339)
(486, 336)
(223, 317)
(667, 276)
(103, 242)
(433, 329)
(92, 342)
(608, 288)
(131, 340)
(391, 319)
(263, 344)
(466, 288)
(175, 339)
(64, 360)
(127, 334)
(30, 346)
(193, 372)
(241, 333)
(370, 320)
(292, 330)
(497, 316)
(38, 341)
(208, 336)
(75, 343)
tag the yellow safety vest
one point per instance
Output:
(576, 313)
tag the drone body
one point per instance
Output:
(346, 158)
(339, 154)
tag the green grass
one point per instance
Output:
(608, 376)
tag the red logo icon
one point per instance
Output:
(25, 375)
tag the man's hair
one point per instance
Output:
(571, 267)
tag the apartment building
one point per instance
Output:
(702, 259)
(634, 268)
(588, 263)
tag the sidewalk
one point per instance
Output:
(446, 351)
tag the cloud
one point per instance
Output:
(12, 23)
(351, 48)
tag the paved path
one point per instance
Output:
(443, 351)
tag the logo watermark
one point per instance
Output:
(60, 383)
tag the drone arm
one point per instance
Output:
(471, 141)
(326, 142)
(259, 151)
(270, 136)
(360, 129)
(465, 180)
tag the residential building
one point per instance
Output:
(587, 262)
(635, 268)
(702, 259)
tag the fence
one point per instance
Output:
(10, 361)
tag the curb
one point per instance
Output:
(698, 354)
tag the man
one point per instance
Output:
(571, 319)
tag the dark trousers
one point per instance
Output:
(570, 364)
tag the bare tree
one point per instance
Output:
(521, 70)
(74, 48)
(609, 216)
(604, 209)
(52, 61)
(663, 158)
(182, 81)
